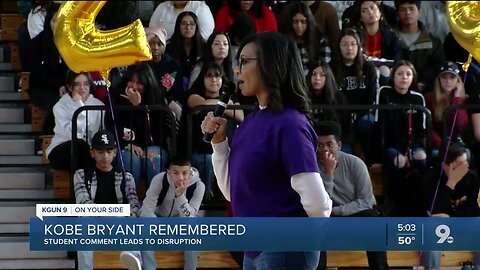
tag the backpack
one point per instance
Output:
(166, 185)
(88, 173)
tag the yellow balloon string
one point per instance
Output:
(466, 65)
(105, 74)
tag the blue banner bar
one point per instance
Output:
(254, 234)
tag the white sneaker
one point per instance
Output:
(130, 261)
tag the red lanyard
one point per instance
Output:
(410, 133)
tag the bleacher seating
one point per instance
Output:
(168, 259)
(10, 24)
(336, 259)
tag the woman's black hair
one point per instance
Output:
(116, 14)
(312, 36)
(38, 6)
(328, 94)
(454, 151)
(177, 38)
(153, 94)
(208, 55)
(359, 61)
(198, 86)
(281, 71)
(256, 8)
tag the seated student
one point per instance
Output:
(403, 141)
(178, 192)
(324, 90)
(146, 150)
(167, 69)
(78, 88)
(398, 140)
(450, 189)
(311, 43)
(379, 40)
(103, 185)
(326, 19)
(357, 79)
(186, 44)
(206, 90)
(351, 15)
(347, 182)
(419, 45)
(167, 12)
(449, 90)
(262, 17)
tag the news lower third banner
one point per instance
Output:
(253, 234)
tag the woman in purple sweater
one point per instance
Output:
(270, 169)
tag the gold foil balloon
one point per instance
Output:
(85, 48)
(464, 21)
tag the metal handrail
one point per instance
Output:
(344, 107)
(173, 131)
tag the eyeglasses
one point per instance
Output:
(244, 60)
(79, 84)
(187, 24)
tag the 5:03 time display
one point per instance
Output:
(406, 227)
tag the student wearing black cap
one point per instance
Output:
(104, 185)
(448, 90)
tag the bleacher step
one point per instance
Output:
(17, 147)
(6, 66)
(16, 214)
(10, 128)
(26, 194)
(10, 96)
(14, 228)
(19, 248)
(7, 160)
(12, 115)
(22, 178)
(7, 83)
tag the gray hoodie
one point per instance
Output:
(171, 206)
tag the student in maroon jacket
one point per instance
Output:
(448, 90)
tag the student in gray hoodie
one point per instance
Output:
(348, 183)
(178, 192)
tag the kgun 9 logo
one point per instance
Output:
(443, 232)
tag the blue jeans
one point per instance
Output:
(431, 259)
(392, 153)
(150, 263)
(268, 260)
(203, 163)
(136, 165)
